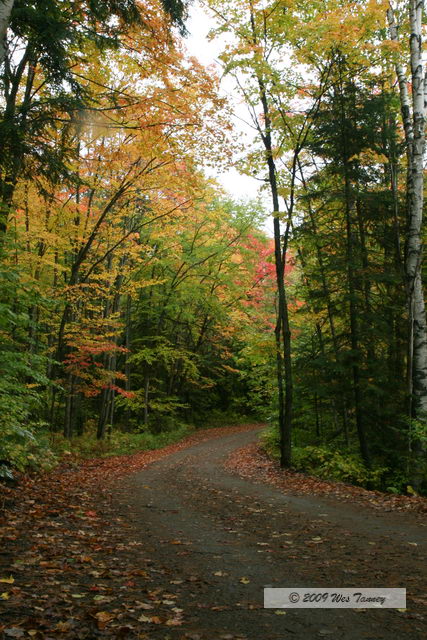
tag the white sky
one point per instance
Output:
(198, 25)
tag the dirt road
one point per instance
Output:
(213, 541)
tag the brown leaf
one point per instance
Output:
(103, 618)
(174, 622)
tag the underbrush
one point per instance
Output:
(340, 466)
(118, 443)
(218, 418)
(42, 451)
(36, 448)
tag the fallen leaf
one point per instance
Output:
(62, 627)
(13, 632)
(143, 619)
(173, 622)
(103, 618)
(244, 580)
(9, 580)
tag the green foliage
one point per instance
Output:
(327, 463)
(417, 429)
(118, 443)
(218, 418)
(179, 322)
(334, 465)
(24, 448)
(22, 381)
(270, 442)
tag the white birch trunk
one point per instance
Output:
(405, 103)
(416, 193)
(5, 11)
(413, 116)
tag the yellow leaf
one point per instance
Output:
(173, 622)
(244, 580)
(143, 619)
(103, 616)
(411, 491)
(9, 580)
(4, 596)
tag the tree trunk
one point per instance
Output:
(351, 281)
(283, 332)
(416, 197)
(6, 7)
(146, 396)
(69, 408)
(413, 116)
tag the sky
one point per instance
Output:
(198, 25)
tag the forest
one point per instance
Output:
(140, 300)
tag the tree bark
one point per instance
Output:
(351, 281)
(6, 7)
(413, 116)
(283, 332)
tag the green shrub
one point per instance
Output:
(326, 463)
(218, 418)
(22, 440)
(334, 465)
(270, 442)
(24, 448)
(118, 443)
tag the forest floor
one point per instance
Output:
(176, 544)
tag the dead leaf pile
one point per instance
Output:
(253, 463)
(70, 566)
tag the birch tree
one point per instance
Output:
(6, 7)
(413, 115)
